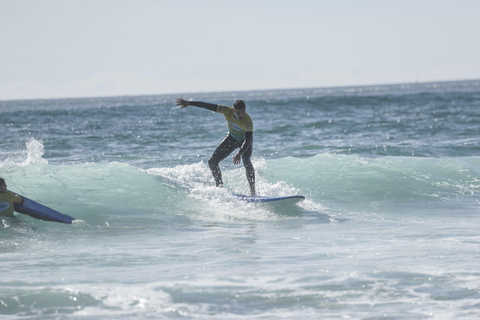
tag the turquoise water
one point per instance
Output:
(389, 227)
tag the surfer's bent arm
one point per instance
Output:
(17, 198)
(247, 143)
(204, 105)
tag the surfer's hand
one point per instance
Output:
(236, 158)
(182, 103)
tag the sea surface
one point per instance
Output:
(389, 229)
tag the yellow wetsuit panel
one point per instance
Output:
(7, 200)
(237, 128)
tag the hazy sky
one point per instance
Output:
(70, 48)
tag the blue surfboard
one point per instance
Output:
(39, 211)
(263, 199)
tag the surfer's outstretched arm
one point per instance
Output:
(204, 105)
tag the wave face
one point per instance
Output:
(341, 182)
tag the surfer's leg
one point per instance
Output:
(249, 169)
(223, 150)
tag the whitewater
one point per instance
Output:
(388, 229)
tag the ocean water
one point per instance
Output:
(389, 228)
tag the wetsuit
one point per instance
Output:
(7, 201)
(240, 136)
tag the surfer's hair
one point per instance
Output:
(239, 104)
(2, 182)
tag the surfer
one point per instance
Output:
(240, 135)
(7, 200)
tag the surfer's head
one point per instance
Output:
(239, 108)
(239, 104)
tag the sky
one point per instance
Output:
(91, 48)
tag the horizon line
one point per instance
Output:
(239, 91)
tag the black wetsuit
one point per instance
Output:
(226, 147)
